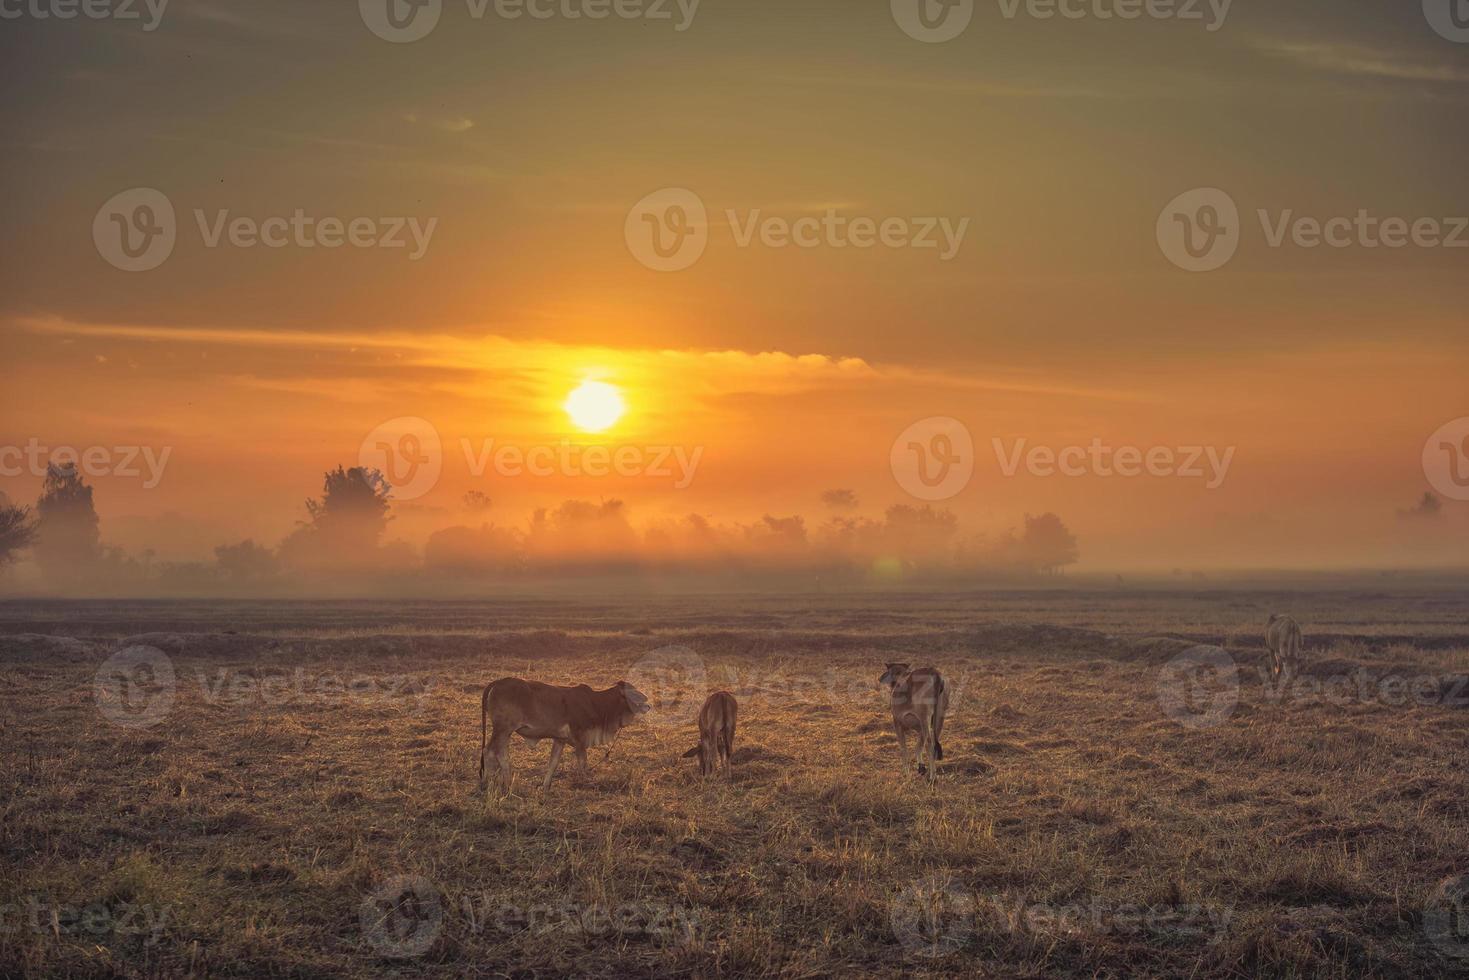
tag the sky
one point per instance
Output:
(501, 170)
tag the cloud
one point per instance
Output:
(448, 124)
(1354, 59)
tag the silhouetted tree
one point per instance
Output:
(17, 531)
(1427, 508)
(1047, 545)
(68, 540)
(355, 499)
(345, 524)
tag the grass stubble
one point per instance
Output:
(308, 808)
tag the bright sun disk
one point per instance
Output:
(595, 406)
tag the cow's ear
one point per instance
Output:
(690, 753)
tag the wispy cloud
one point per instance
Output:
(701, 373)
(1355, 59)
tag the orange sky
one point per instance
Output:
(791, 371)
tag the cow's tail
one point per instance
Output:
(937, 721)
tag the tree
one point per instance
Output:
(1047, 545)
(356, 500)
(345, 525)
(17, 531)
(1428, 508)
(68, 539)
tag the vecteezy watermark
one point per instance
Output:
(675, 682)
(122, 462)
(678, 464)
(275, 688)
(1446, 919)
(408, 453)
(149, 11)
(936, 916)
(135, 687)
(405, 21)
(93, 920)
(580, 920)
(136, 231)
(1200, 230)
(668, 230)
(403, 917)
(1199, 688)
(1098, 459)
(1450, 18)
(1362, 686)
(936, 21)
(933, 459)
(1446, 459)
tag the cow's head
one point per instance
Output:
(706, 764)
(894, 675)
(636, 702)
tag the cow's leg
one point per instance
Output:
(581, 761)
(925, 747)
(498, 757)
(556, 748)
(903, 747)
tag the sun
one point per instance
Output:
(595, 406)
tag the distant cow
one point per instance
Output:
(920, 700)
(716, 733)
(1283, 640)
(576, 716)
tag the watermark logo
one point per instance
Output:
(1446, 920)
(933, 21)
(668, 230)
(136, 230)
(403, 918)
(91, 9)
(135, 687)
(1207, 463)
(1199, 688)
(143, 463)
(933, 459)
(675, 682)
(1450, 18)
(93, 921)
(678, 464)
(408, 453)
(1446, 459)
(1199, 231)
(401, 21)
(933, 917)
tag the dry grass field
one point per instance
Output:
(298, 799)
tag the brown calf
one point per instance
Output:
(919, 701)
(716, 733)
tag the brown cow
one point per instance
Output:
(576, 716)
(1283, 640)
(716, 733)
(919, 701)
